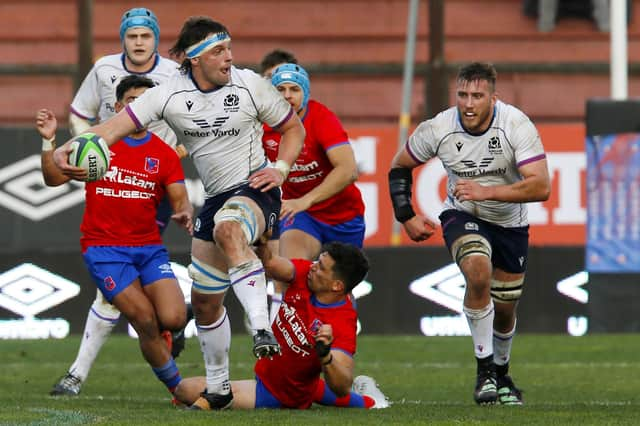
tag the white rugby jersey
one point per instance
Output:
(491, 158)
(96, 97)
(221, 128)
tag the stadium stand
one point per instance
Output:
(362, 41)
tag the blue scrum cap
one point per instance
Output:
(140, 17)
(293, 73)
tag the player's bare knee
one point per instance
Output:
(174, 320)
(225, 233)
(232, 220)
(472, 253)
(476, 295)
(207, 313)
(144, 323)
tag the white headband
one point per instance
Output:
(208, 43)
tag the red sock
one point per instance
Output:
(368, 401)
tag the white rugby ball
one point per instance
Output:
(91, 153)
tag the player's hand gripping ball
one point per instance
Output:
(91, 153)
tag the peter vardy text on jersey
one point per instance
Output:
(481, 172)
(216, 133)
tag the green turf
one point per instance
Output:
(593, 380)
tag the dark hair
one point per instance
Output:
(351, 265)
(479, 71)
(195, 29)
(277, 57)
(132, 81)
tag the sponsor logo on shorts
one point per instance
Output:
(471, 226)
(272, 220)
(109, 283)
(166, 269)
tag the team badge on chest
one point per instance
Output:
(151, 165)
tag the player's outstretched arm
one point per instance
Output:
(182, 208)
(46, 124)
(277, 267)
(292, 140)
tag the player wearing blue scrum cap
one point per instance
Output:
(140, 17)
(320, 202)
(294, 74)
(95, 102)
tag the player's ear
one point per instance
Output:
(118, 106)
(338, 286)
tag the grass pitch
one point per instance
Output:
(592, 380)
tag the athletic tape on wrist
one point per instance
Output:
(49, 144)
(283, 167)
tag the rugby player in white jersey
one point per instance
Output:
(495, 163)
(94, 102)
(217, 112)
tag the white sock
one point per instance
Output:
(276, 301)
(502, 346)
(250, 286)
(215, 341)
(481, 325)
(101, 320)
